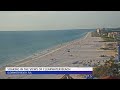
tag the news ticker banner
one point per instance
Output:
(48, 70)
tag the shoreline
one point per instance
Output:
(43, 53)
(83, 52)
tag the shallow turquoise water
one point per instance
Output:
(16, 45)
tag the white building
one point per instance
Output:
(98, 31)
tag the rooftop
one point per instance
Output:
(109, 77)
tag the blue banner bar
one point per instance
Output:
(48, 72)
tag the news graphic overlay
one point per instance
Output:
(48, 70)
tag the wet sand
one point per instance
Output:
(78, 53)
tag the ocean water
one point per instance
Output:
(16, 45)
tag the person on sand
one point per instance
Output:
(68, 50)
(53, 59)
(98, 61)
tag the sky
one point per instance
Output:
(57, 20)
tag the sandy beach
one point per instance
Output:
(78, 53)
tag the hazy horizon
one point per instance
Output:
(57, 20)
